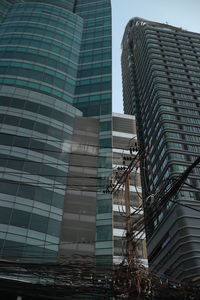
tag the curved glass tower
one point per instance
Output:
(55, 66)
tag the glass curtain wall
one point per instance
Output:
(93, 97)
(55, 64)
(39, 52)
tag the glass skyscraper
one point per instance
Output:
(55, 74)
(93, 97)
(161, 83)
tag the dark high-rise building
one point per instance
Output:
(161, 86)
(56, 129)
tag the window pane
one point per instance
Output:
(39, 223)
(20, 218)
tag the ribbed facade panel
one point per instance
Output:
(164, 76)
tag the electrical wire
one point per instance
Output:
(136, 188)
(184, 205)
(125, 173)
(163, 189)
(193, 186)
(169, 200)
(174, 188)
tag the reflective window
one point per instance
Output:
(5, 214)
(38, 223)
(104, 233)
(53, 227)
(20, 218)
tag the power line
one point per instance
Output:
(161, 193)
(126, 172)
(184, 205)
(156, 207)
(193, 186)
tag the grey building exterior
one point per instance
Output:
(78, 231)
(161, 87)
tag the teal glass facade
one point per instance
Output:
(93, 90)
(93, 97)
(40, 49)
(4, 7)
(55, 65)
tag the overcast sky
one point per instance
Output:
(180, 13)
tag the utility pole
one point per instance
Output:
(129, 239)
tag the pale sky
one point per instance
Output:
(180, 13)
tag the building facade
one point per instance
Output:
(124, 138)
(161, 83)
(56, 125)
